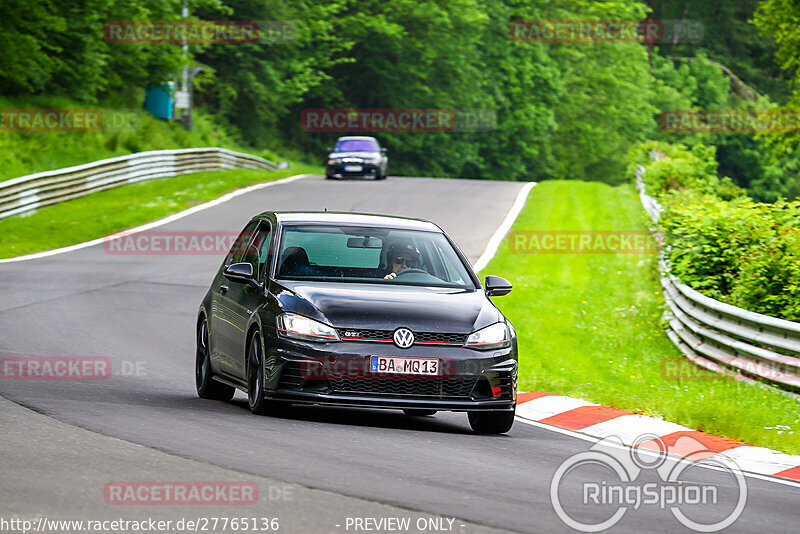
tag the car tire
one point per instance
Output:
(491, 422)
(418, 412)
(255, 378)
(207, 387)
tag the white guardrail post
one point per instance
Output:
(28, 193)
(721, 337)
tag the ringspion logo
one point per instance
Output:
(593, 490)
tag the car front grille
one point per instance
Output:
(347, 334)
(385, 336)
(457, 387)
(435, 337)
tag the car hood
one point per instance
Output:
(386, 307)
(358, 155)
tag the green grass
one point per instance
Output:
(103, 213)
(589, 326)
(123, 131)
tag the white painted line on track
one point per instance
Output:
(505, 226)
(155, 224)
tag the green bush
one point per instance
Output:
(677, 168)
(719, 241)
(707, 236)
(769, 277)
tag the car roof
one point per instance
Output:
(355, 219)
(357, 137)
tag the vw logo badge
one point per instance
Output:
(403, 338)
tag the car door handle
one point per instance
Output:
(223, 289)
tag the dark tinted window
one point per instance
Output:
(353, 254)
(356, 145)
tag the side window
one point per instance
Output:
(261, 245)
(256, 248)
(239, 248)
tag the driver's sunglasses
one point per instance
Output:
(400, 261)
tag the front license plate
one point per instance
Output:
(404, 366)
(353, 168)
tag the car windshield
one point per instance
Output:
(356, 145)
(374, 255)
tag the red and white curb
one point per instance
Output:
(601, 422)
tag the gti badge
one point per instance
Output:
(403, 338)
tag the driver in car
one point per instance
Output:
(401, 256)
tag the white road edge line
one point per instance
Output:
(155, 224)
(584, 437)
(505, 226)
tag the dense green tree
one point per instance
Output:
(563, 110)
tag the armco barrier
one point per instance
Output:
(27, 193)
(724, 338)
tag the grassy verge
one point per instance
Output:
(100, 214)
(120, 132)
(589, 326)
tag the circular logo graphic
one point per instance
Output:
(403, 338)
(676, 490)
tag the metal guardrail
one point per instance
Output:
(723, 338)
(28, 193)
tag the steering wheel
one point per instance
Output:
(412, 270)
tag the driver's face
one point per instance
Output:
(401, 262)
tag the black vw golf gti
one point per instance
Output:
(356, 310)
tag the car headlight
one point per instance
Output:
(375, 160)
(331, 162)
(303, 328)
(492, 337)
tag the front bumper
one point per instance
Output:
(337, 170)
(338, 374)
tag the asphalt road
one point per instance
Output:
(139, 311)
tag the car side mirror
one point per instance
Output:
(329, 149)
(383, 150)
(242, 273)
(496, 286)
